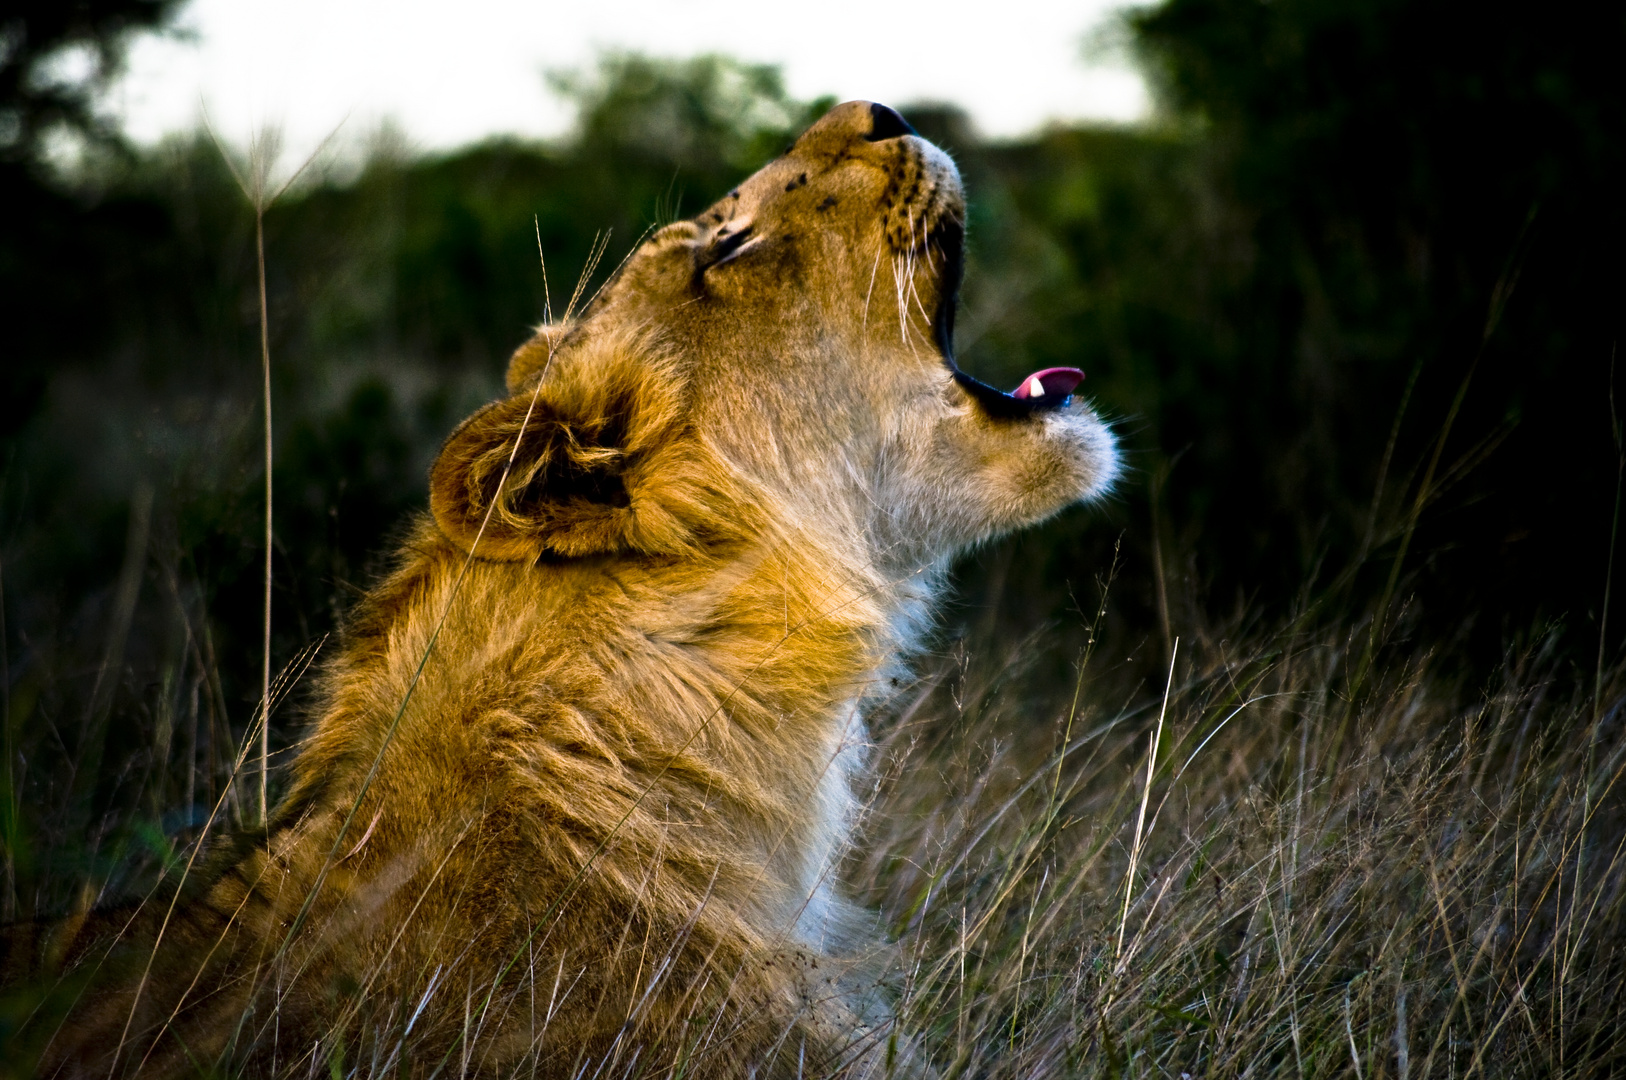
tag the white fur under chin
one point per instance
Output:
(1097, 448)
(824, 918)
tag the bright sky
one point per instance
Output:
(449, 74)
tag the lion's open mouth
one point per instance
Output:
(1042, 390)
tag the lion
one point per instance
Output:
(579, 777)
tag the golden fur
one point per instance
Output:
(580, 773)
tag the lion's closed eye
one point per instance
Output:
(730, 245)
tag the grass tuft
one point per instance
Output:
(1428, 883)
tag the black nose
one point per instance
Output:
(886, 124)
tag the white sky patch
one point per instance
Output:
(450, 74)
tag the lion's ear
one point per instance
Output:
(595, 461)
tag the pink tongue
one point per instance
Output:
(1051, 384)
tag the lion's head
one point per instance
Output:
(790, 351)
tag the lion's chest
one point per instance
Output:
(819, 915)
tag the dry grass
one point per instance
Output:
(1423, 881)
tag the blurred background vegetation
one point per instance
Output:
(1352, 299)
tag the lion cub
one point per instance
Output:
(580, 775)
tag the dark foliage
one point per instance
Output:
(41, 43)
(1427, 197)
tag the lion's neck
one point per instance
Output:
(732, 693)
